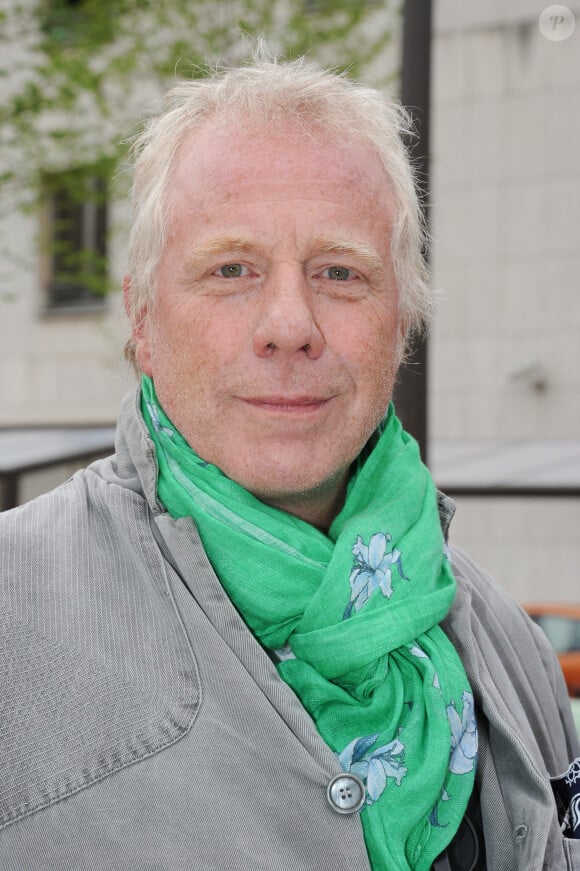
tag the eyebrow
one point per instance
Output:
(364, 252)
(219, 245)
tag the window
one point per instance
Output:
(76, 23)
(60, 19)
(76, 250)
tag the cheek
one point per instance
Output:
(182, 330)
(197, 355)
(367, 341)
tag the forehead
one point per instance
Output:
(231, 162)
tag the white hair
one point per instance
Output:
(260, 93)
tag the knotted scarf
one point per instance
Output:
(353, 619)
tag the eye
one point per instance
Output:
(232, 270)
(338, 273)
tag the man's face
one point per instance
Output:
(274, 333)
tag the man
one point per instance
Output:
(239, 642)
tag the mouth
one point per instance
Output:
(290, 405)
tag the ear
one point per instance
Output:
(140, 333)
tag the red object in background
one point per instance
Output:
(561, 624)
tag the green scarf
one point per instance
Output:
(353, 617)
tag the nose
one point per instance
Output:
(287, 322)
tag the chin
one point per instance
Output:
(293, 486)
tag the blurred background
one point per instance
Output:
(493, 395)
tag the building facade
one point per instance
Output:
(504, 354)
(505, 348)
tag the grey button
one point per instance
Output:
(346, 793)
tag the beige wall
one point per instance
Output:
(506, 219)
(530, 545)
(55, 367)
(505, 351)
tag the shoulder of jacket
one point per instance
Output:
(67, 540)
(89, 490)
(515, 655)
(487, 597)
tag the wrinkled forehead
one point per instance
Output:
(240, 152)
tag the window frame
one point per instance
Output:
(74, 268)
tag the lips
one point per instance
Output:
(296, 404)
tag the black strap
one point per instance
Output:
(466, 852)
(441, 863)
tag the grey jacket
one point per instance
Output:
(143, 727)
